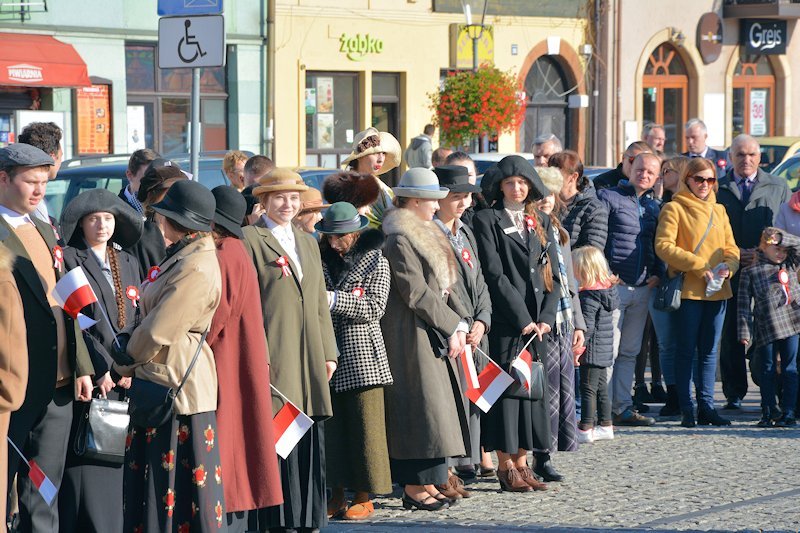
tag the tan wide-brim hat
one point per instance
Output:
(387, 144)
(311, 200)
(280, 179)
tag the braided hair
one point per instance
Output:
(119, 291)
(547, 268)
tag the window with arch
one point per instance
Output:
(665, 97)
(753, 96)
(546, 111)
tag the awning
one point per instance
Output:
(40, 61)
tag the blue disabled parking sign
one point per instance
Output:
(189, 7)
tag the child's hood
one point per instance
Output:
(607, 297)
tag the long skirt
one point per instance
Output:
(305, 503)
(355, 443)
(559, 366)
(419, 471)
(172, 477)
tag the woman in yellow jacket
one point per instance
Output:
(694, 236)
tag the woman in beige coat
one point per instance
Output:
(425, 418)
(172, 473)
(301, 344)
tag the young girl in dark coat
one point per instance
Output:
(96, 225)
(598, 296)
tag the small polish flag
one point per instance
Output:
(73, 292)
(43, 484)
(522, 365)
(85, 322)
(493, 383)
(290, 425)
(468, 363)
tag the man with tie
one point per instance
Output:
(751, 198)
(696, 135)
(60, 368)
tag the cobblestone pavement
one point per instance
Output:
(736, 478)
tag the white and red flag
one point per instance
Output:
(468, 363)
(493, 382)
(290, 425)
(73, 292)
(42, 483)
(522, 366)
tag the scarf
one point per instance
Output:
(794, 202)
(516, 213)
(564, 313)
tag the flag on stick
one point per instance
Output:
(73, 292)
(42, 483)
(493, 382)
(469, 368)
(290, 425)
(522, 366)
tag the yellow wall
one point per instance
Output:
(415, 44)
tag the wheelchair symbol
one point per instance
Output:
(189, 41)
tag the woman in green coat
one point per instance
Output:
(301, 344)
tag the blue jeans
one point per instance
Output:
(700, 325)
(666, 336)
(769, 355)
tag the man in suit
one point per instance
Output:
(696, 135)
(137, 166)
(751, 198)
(60, 368)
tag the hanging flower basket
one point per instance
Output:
(477, 103)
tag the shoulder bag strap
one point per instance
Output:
(708, 229)
(194, 360)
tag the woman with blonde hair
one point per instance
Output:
(694, 237)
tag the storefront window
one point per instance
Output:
(159, 109)
(331, 108)
(665, 88)
(753, 90)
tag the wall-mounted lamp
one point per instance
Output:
(677, 37)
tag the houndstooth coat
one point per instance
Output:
(357, 313)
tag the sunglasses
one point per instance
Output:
(700, 180)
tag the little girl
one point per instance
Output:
(775, 320)
(598, 296)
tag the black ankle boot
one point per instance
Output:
(671, 407)
(544, 468)
(641, 395)
(658, 393)
(766, 418)
(687, 419)
(787, 420)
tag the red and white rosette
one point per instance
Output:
(530, 223)
(153, 273)
(465, 255)
(283, 262)
(722, 163)
(58, 257)
(783, 278)
(132, 293)
(358, 292)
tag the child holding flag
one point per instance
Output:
(774, 323)
(598, 296)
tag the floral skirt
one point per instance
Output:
(172, 479)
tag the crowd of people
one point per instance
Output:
(366, 308)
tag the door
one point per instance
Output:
(384, 118)
(546, 111)
(665, 95)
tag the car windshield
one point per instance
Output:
(790, 171)
(61, 191)
(771, 155)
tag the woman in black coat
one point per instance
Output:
(96, 226)
(516, 249)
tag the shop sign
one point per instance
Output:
(709, 37)
(358, 47)
(461, 46)
(764, 36)
(758, 112)
(94, 119)
(25, 73)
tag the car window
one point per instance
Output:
(790, 171)
(60, 191)
(212, 177)
(771, 155)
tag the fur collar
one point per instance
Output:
(427, 240)
(338, 266)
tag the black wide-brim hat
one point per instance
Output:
(189, 204)
(455, 178)
(231, 209)
(128, 222)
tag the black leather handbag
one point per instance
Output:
(102, 430)
(152, 404)
(516, 390)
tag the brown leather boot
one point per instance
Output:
(511, 480)
(458, 485)
(527, 475)
(449, 491)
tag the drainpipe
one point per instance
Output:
(268, 78)
(618, 80)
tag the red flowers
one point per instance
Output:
(199, 476)
(208, 433)
(471, 103)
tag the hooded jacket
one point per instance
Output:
(419, 152)
(586, 220)
(597, 306)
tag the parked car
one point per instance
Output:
(774, 151)
(790, 171)
(484, 160)
(593, 172)
(314, 176)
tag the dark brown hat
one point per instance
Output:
(352, 187)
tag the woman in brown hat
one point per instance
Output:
(311, 207)
(301, 344)
(375, 153)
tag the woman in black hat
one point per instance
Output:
(172, 472)
(97, 225)
(516, 248)
(249, 463)
(357, 280)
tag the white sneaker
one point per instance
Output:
(585, 437)
(603, 433)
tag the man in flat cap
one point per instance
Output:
(59, 366)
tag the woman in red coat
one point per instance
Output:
(244, 415)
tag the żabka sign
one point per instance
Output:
(357, 48)
(764, 36)
(25, 73)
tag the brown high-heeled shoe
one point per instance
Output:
(511, 481)
(528, 477)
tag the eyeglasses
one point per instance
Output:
(700, 180)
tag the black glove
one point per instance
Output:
(119, 350)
